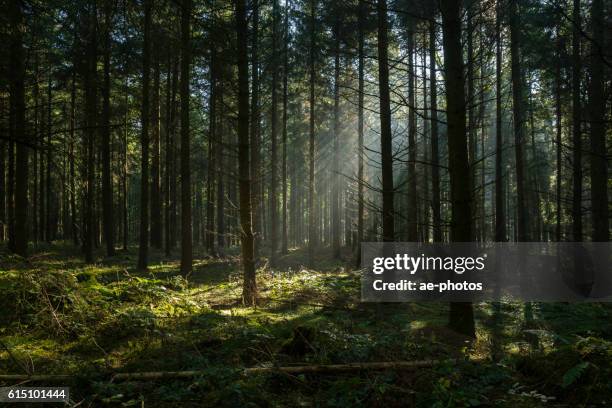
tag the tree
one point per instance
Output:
(274, 140)
(576, 125)
(435, 156)
(500, 216)
(186, 239)
(335, 180)
(461, 318)
(360, 117)
(312, 240)
(91, 112)
(518, 101)
(249, 289)
(143, 252)
(385, 125)
(156, 199)
(17, 101)
(599, 166)
(107, 185)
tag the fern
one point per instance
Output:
(574, 373)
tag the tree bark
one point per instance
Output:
(599, 166)
(107, 186)
(435, 156)
(461, 317)
(284, 238)
(312, 239)
(17, 100)
(360, 117)
(255, 132)
(143, 252)
(411, 210)
(186, 238)
(335, 179)
(156, 199)
(249, 289)
(576, 125)
(385, 125)
(518, 101)
(274, 139)
(500, 216)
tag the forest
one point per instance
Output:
(185, 187)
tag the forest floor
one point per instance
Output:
(60, 316)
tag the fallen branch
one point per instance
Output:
(324, 368)
(35, 377)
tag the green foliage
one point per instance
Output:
(114, 319)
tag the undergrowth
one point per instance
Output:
(60, 316)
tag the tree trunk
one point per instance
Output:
(461, 318)
(89, 139)
(576, 125)
(312, 240)
(599, 166)
(385, 125)
(210, 178)
(559, 148)
(335, 179)
(249, 289)
(360, 150)
(143, 252)
(411, 210)
(284, 239)
(107, 186)
(518, 101)
(273, 153)
(17, 98)
(435, 156)
(500, 215)
(156, 199)
(254, 132)
(186, 239)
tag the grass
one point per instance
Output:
(63, 317)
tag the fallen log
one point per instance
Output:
(321, 368)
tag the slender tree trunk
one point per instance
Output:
(335, 180)
(17, 98)
(71, 157)
(186, 241)
(461, 317)
(37, 136)
(559, 148)
(411, 215)
(90, 136)
(107, 186)
(599, 165)
(312, 240)
(435, 156)
(168, 157)
(284, 239)
(220, 163)
(249, 290)
(500, 215)
(210, 179)
(518, 101)
(126, 226)
(254, 131)
(385, 125)
(156, 200)
(360, 149)
(274, 139)
(576, 125)
(49, 225)
(143, 252)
